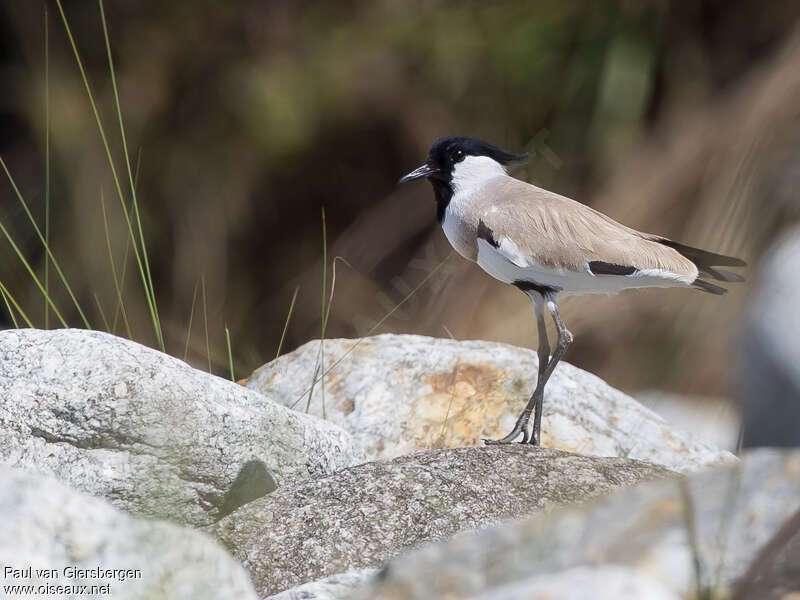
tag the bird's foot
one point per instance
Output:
(501, 442)
(520, 427)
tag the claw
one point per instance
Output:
(521, 426)
(495, 442)
(509, 439)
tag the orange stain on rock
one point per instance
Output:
(464, 406)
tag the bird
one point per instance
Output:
(550, 247)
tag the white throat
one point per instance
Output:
(470, 177)
(473, 173)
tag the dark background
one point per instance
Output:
(678, 118)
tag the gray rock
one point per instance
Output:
(768, 380)
(774, 573)
(602, 582)
(146, 431)
(335, 587)
(46, 526)
(605, 582)
(401, 393)
(726, 515)
(714, 419)
(362, 516)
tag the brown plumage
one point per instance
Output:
(554, 231)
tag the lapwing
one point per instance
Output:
(550, 246)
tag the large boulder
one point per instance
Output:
(362, 516)
(603, 582)
(148, 432)
(609, 582)
(333, 587)
(53, 536)
(401, 393)
(680, 535)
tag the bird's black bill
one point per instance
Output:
(419, 173)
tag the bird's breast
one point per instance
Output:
(460, 232)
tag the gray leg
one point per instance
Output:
(543, 351)
(564, 340)
(544, 359)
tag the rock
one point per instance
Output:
(148, 432)
(605, 582)
(362, 516)
(335, 587)
(768, 380)
(713, 419)
(401, 393)
(45, 525)
(727, 514)
(774, 573)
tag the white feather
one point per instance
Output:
(470, 176)
(664, 275)
(472, 173)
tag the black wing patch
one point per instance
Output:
(528, 286)
(720, 274)
(485, 233)
(598, 267)
(709, 287)
(702, 258)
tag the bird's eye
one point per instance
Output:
(458, 155)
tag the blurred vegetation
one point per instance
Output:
(245, 119)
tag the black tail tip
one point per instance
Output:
(709, 287)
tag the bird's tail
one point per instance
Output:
(707, 263)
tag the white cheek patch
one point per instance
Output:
(473, 172)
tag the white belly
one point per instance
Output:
(455, 230)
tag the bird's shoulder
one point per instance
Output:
(527, 211)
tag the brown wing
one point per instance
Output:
(558, 232)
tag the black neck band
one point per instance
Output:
(444, 193)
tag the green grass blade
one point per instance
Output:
(286, 323)
(325, 312)
(191, 318)
(119, 305)
(8, 296)
(28, 268)
(336, 259)
(205, 320)
(138, 168)
(321, 352)
(117, 287)
(113, 168)
(230, 354)
(8, 307)
(46, 161)
(130, 175)
(127, 252)
(102, 314)
(45, 244)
